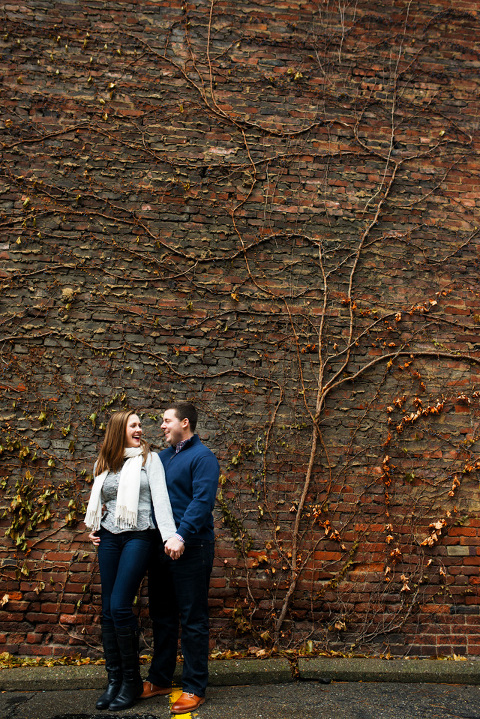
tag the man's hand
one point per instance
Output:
(174, 547)
(93, 538)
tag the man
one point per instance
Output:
(178, 579)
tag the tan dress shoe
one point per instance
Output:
(151, 690)
(185, 703)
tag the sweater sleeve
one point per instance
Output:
(205, 472)
(160, 499)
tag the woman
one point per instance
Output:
(129, 482)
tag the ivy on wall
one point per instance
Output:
(273, 213)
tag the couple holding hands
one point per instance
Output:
(150, 511)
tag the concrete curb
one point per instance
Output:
(259, 671)
(221, 673)
(390, 670)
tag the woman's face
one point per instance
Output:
(133, 431)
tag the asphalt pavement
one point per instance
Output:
(322, 688)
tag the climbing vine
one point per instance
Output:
(272, 214)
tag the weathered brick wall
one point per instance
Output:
(270, 209)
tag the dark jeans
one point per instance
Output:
(178, 594)
(123, 560)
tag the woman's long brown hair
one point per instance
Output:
(111, 452)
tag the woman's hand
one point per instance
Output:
(174, 547)
(93, 538)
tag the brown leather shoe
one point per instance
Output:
(185, 703)
(151, 690)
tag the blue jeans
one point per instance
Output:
(178, 594)
(123, 560)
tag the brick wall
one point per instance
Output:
(270, 209)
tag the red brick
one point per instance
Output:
(173, 295)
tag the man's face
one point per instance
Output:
(175, 430)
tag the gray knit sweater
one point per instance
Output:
(152, 490)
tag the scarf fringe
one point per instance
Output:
(125, 518)
(92, 520)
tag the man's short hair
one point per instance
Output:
(185, 410)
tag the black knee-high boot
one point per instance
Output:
(132, 684)
(113, 665)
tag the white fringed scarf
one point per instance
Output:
(127, 493)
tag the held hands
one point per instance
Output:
(174, 547)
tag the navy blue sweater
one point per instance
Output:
(192, 481)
